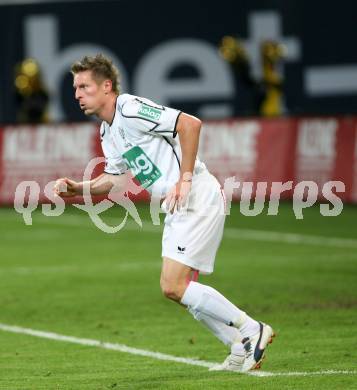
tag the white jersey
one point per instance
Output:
(142, 139)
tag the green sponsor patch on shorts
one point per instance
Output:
(141, 166)
(149, 112)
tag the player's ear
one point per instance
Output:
(108, 86)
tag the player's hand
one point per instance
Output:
(177, 197)
(65, 188)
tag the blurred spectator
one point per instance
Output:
(272, 53)
(266, 94)
(31, 95)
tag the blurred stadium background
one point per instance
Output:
(275, 83)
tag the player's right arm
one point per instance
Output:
(101, 185)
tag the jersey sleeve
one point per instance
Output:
(146, 116)
(114, 164)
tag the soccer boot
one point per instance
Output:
(255, 347)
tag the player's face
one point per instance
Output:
(90, 94)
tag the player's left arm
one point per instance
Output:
(188, 128)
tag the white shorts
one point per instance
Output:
(192, 236)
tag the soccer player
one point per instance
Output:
(158, 145)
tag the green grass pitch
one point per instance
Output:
(64, 275)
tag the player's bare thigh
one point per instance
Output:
(174, 279)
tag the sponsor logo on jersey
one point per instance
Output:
(141, 166)
(149, 112)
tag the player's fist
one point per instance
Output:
(65, 187)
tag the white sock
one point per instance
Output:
(228, 335)
(209, 301)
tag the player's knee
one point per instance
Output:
(171, 291)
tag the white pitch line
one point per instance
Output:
(302, 373)
(104, 345)
(151, 354)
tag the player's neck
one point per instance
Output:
(107, 112)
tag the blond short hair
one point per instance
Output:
(102, 68)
